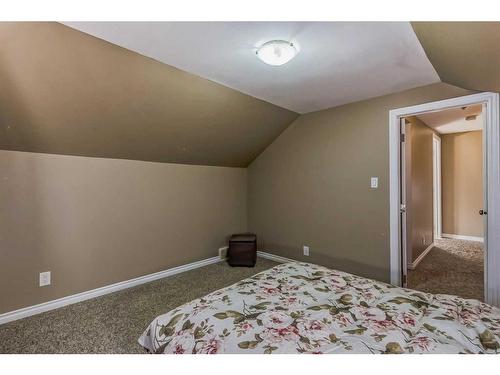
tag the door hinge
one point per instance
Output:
(402, 137)
(404, 279)
(402, 208)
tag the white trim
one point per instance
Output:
(436, 187)
(276, 258)
(460, 237)
(64, 301)
(394, 199)
(491, 137)
(492, 185)
(406, 191)
(415, 263)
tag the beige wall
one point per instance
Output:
(94, 222)
(463, 53)
(312, 185)
(419, 183)
(462, 181)
(66, 92)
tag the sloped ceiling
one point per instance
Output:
(338, 62)
(464, 54)
(66, 92)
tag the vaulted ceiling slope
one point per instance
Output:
(464, 54)
(337, 63)
(66, 92)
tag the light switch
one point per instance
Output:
(374, 182)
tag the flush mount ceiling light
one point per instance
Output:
(276, 52)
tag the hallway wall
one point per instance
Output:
(462, 183)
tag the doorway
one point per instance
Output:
(401, 219)
(451, 262)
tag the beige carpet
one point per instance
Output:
(451, 267)
(113, 323)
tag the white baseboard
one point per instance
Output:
(64, 301)
(276, 258)
(460, 237)
(79, 297)
(415, 263)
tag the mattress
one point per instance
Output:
(306, 308)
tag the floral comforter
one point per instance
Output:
(306, 308)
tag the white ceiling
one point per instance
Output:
(453, 120)
(338, 62)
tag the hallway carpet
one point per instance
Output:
(113, 323)
(451, 267)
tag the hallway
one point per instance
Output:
(451, 267)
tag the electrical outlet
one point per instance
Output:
(223, 252)
(306, 250)
(374, 182)
(44, 278)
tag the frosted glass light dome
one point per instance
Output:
(276, 52)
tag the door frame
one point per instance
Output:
(404, 170)
(491, 142)
(437, 214)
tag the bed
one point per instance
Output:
(305, 308)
